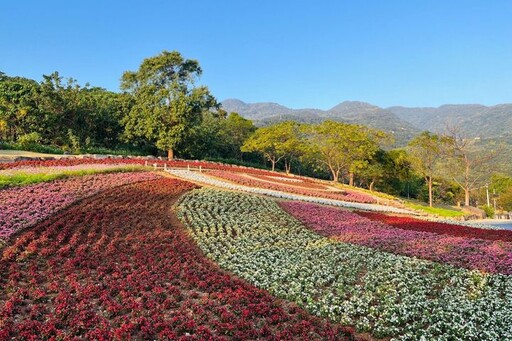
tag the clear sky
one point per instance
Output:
(296, 53)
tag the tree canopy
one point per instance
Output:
(167, 102)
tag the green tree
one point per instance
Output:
(275, 142)
(426, 151)
(235, 131)
(339, 146)
(167, 104)
(19, 114)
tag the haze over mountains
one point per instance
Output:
(486, 122)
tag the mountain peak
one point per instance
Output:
(352, 106)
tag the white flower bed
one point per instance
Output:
(387, 295)
(204, 179)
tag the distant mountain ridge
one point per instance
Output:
(474, 119)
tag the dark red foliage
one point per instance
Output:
(120, 266)
(408, 223)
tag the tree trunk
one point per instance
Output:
(273, 164)
(371, 185)
(335, 175)
(351, 179)
(466, 196)
(170, 154)
(430, 197)
(287, 167)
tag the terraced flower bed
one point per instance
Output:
(119, 266)
(388, 295)
(493, 256)
(21, 207)
(345, 196)
(202, 178)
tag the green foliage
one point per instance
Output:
(339, 147)
(489, 211)
(276, 142)
(440, 211)
(57, 106)
(426, 151)
(505, 199)
(30, 139)
(167, 105)
(37, 148)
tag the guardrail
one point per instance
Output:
(165, 167)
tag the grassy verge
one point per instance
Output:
(23, 179)
(440, 211)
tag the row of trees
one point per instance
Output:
(159, 109)
(60, 112)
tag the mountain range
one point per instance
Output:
(475, 120)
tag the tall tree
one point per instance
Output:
(339, 146)
(426, 151)
(472, 164)
(167, 103)
(275, 142)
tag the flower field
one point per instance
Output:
(119, 266)
(24, 206)
(295, 189)
(106, 257)
(493, 256)
(202, 178)
(388, 295)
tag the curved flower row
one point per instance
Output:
(208, 180)
(24, 206)
(344, 196)
(294, 181)
(441, 227)
(479, 254)
(68, 162)
(119, 266)
(60, 169)
(378, 292)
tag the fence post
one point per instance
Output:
(165, 166)
(200, 169)
(188, 168)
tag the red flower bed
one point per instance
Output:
(120, 266)
(408, 223)
(344, 196)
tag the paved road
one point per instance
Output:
(506, 224)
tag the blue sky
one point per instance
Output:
(296, 53)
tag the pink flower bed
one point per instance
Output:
(471, 253)
(24, 206)
(413, 224)
(68, 162)
(345, 196)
